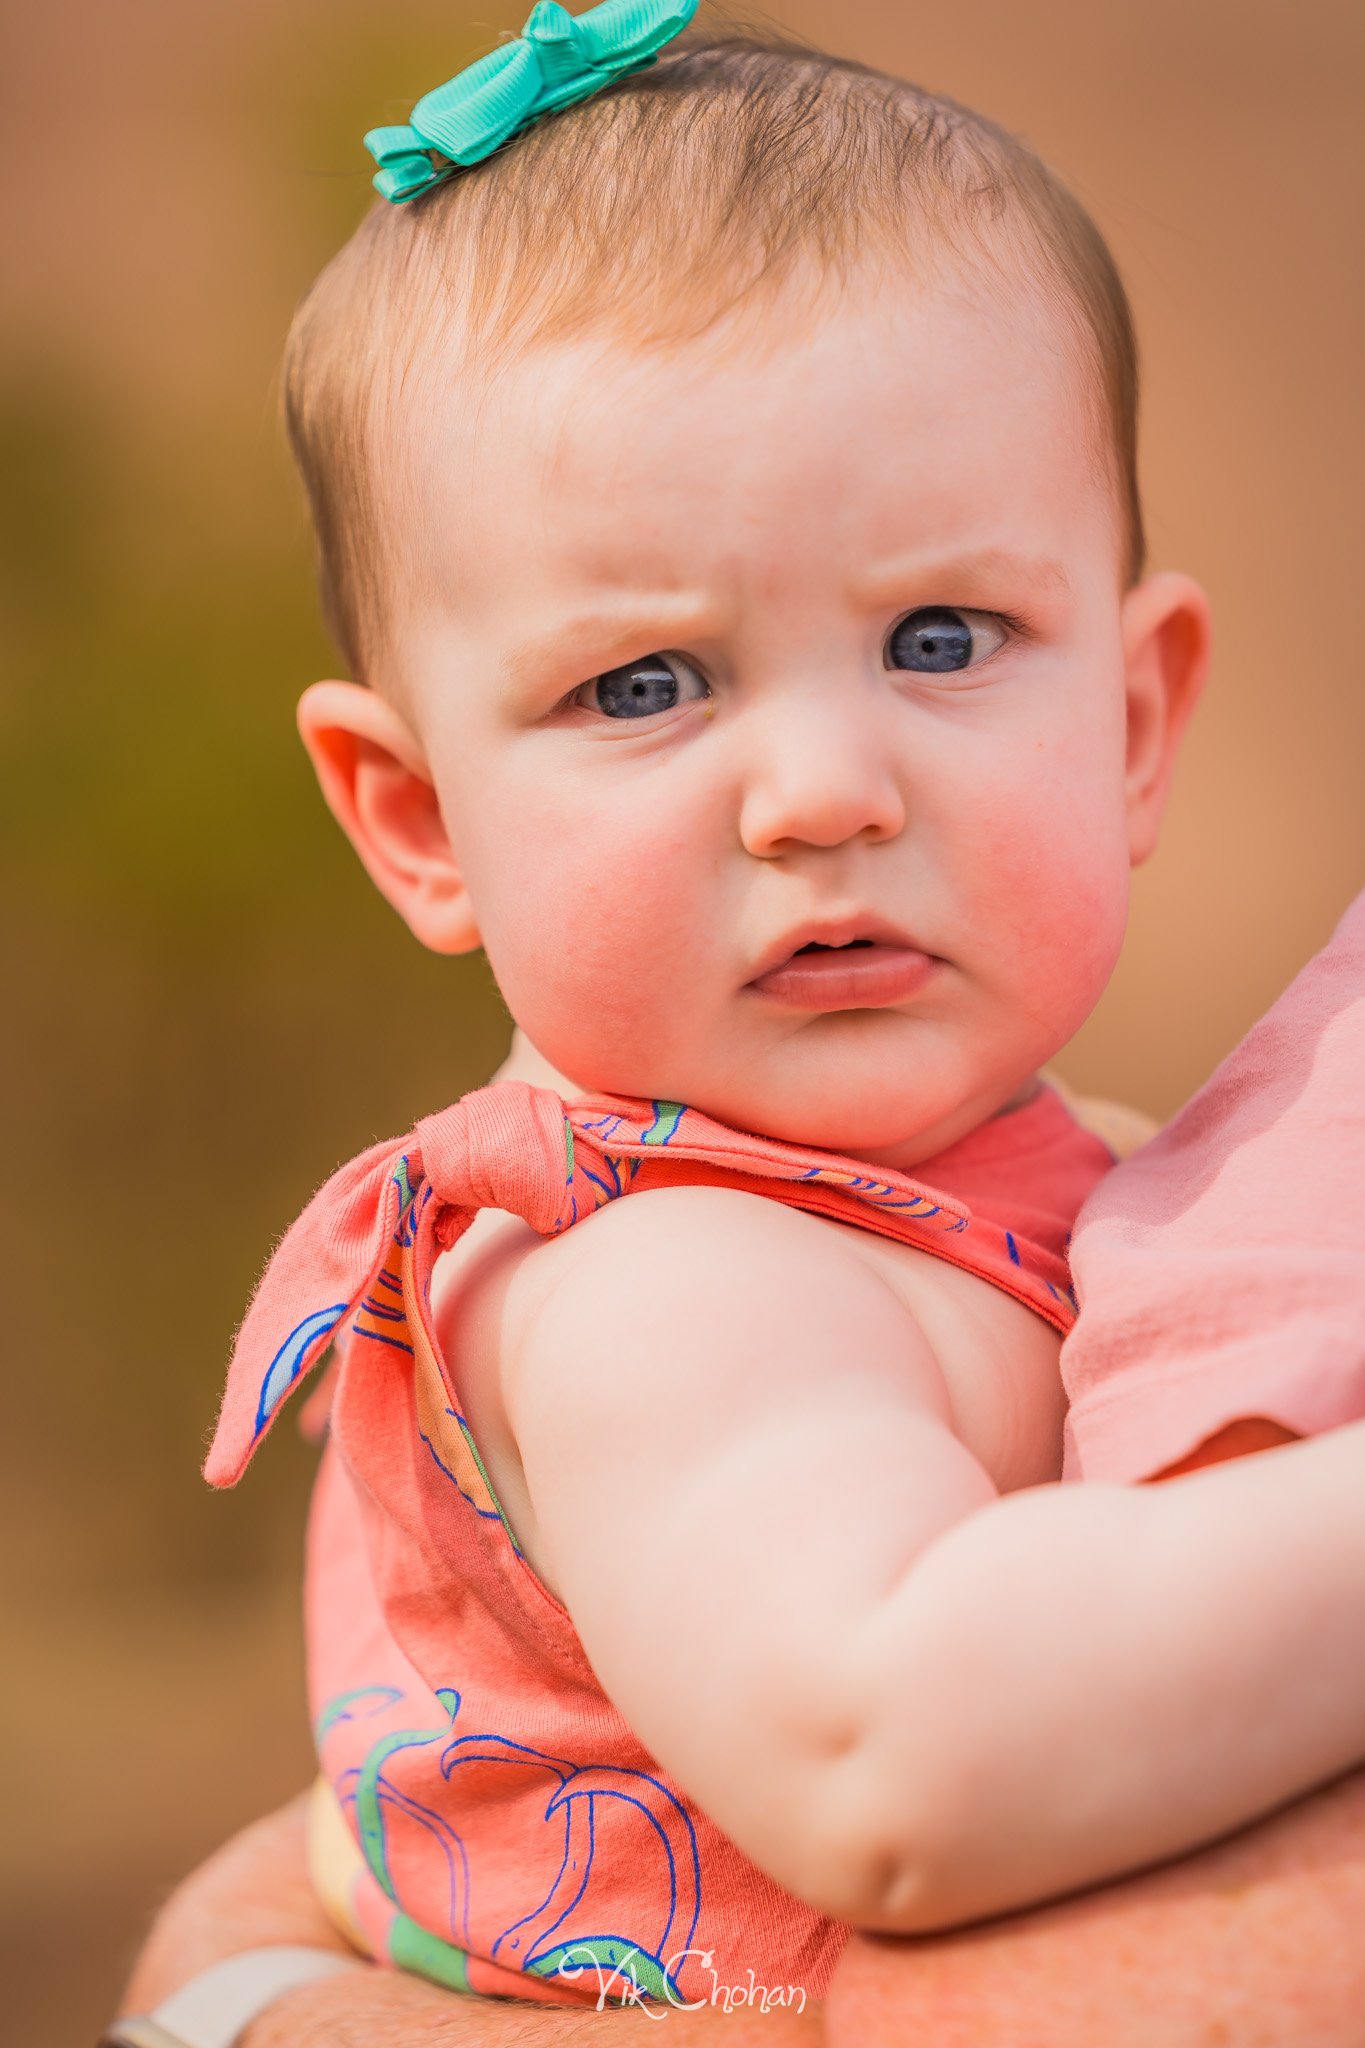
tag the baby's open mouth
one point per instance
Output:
(818, 946)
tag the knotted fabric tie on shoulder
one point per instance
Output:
(508, 1146)
(501, 1147)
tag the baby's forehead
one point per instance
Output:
(703, 193)
(896, 405)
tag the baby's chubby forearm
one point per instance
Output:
(1076, 1681)
(909, 1698)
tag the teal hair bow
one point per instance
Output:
(558, 58)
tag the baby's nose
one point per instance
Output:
(818, 772)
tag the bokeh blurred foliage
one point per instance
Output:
(207, 1006)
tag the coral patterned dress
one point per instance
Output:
(505, 1832)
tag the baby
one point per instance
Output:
(726, 499)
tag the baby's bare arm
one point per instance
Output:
(913, 1702)
(1122, 1674)
(734, 1436)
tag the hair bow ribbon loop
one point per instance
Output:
(558, 58)
(475, 112)
(559, 44)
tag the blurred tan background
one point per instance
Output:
(185, 1046)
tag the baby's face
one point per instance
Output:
(717, 646)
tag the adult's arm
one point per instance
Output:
(255, 1892)
(1255, 1941)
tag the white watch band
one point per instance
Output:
(218, 2005)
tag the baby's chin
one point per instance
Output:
(860, 1092)
(892, 1126)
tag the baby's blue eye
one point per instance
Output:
(935, 640)
(638, 689)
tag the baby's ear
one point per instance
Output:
(374, 776)
(1166, 644)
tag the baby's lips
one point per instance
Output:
(836, 932)
(848, 978)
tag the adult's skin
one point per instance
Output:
(256, 1891)
(1255, 1943)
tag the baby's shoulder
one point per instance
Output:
(502, 1274)
(714, 1247)
(740, 1272)
(998, 1360)
(720, 1249)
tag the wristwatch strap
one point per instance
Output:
(215, 2008)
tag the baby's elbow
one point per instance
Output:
(905, 1890)
(875, 1858)
(903, 1886)
(920, 1874)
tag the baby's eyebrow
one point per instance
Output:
(981, 572)
(607, 635)
(581, 644)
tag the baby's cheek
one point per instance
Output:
(1051, 893)
(588, 940)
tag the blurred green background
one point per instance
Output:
(186, 1049)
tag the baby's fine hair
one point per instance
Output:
(693, 189)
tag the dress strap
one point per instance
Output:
(519, 1148)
